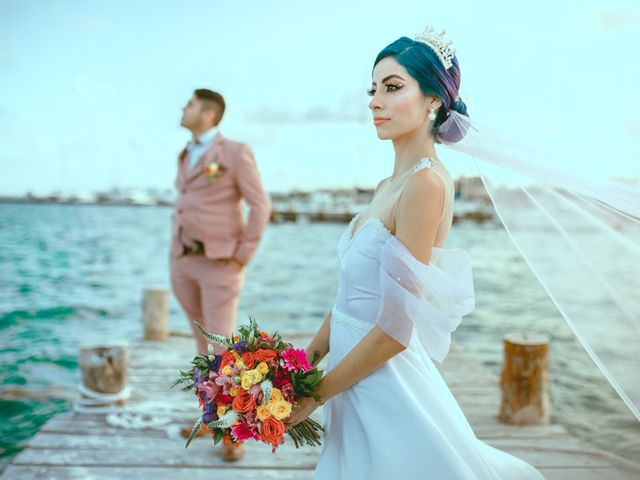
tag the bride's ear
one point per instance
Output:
(433, 102)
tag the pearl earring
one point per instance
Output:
(432, 114)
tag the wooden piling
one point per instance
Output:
(104, 369)
(155, 305)
(525, 379)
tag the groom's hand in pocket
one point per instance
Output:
(238, 266)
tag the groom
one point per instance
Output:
(211, 244)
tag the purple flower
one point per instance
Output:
(198, 378)
(209, 414)
(240, 346)
(215, 363)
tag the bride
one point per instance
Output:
(400, 295)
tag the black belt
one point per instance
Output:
(196, 248)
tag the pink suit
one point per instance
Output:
(210, 211)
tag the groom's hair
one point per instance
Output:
(211, 100)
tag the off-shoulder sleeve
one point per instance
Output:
(430, 299)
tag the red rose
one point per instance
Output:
(243, 402)
(227, 358)
(272, 430)
(248, 359)
(222, 399)
(264, 355)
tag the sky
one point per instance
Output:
(91, 92)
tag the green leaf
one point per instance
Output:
(194, 432)
(217, 436)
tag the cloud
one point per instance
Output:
(351, 109)
(632, 127)
(616, 19)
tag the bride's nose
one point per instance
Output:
(374, 104)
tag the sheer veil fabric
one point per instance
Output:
(581, 238)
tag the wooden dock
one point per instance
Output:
(93, 446)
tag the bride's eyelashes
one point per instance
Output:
(390, 88)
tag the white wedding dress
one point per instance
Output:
(402, 421)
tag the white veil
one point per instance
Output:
(581, 238)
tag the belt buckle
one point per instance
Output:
(191, 247)
(196, 248)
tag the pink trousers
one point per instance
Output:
(208, 292)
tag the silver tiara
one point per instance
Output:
(436, 42)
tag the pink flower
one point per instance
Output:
(241, 432)
(256, 393)
(209, 388)
(295, 360)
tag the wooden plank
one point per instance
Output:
(586, 474)
(569, 447)
(119, 473)
(548, 458)
(175, 456)
(21, 472)
(98, 441)
(500, 430)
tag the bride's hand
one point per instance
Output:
(305, 406)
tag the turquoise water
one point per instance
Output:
(73, 274)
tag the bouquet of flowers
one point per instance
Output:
(248, 390)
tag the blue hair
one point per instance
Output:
(423, 64)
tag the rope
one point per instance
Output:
(146, 415)
(88, 405)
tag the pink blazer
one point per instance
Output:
(210, 210)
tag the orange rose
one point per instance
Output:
(243, 402)
(272, 430)
(227, 358)
(264, 355)
(248, 359)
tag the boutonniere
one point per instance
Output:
(214, 170)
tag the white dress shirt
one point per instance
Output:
(205, 140)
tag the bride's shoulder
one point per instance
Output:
(424, 186)
(422, 198)
(380, 185)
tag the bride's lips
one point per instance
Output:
(379, 120)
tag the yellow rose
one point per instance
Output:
(256, 375)
(263, 368)
(280, 409)
(276, 395)
(233, 391)
(263, 412)
(227, 370)
(239, 364)
(221, 411)
(250, 378)
(246, 381)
